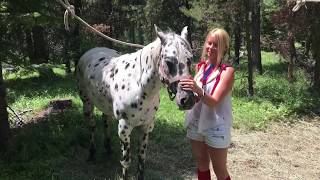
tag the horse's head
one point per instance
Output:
(174, 65)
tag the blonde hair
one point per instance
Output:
(223, 43)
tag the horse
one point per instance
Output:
(127, 88)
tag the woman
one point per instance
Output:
(209, 121)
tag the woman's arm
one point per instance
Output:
(222, 89)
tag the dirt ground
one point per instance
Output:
(288, 151)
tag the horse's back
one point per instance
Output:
(96, 55)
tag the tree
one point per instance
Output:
(248, 46)
(4, 123)
(255, 30)
(315, 44)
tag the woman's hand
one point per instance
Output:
(190, 85)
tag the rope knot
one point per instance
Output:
(70, 11)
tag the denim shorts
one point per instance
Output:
(217, 137)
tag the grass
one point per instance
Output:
(57, 148)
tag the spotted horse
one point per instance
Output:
(127, 87)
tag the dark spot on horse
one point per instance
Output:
(111, 75)
(117, 112)
(127, 66)
(123, 86)
(129, 74)
(141, 103)
(128, 89)
(133, 66)
(155, 108)
(148, 110)
(91, 76)
(148, 80)
(181, 68)
(101, 59)
(89, 65)
(174, 52)
(134, 105)
(96, 65)
(124, 115)
(122, 132)
(147, 59)
(135, 59)
(125, 126)
(126, 139)
(133, 115)
(116, 87)
(140, 109)
(145, 145)
(116, 71)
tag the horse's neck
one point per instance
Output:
(149, 65)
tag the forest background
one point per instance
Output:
(275, 51)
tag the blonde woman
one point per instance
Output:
(209, 121)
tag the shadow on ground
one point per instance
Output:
(57, 148)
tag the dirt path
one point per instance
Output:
(284, 151)
(289, 151)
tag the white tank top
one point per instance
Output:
(210, 117)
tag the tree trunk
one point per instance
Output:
(237, 34)
(4, 123)
(292, 54)
(308, 45)
(315, 45)
(66, 48)
(140, 34)
(132, 33)
(30, 48)
(248, 45)
(256, 51)
(189, 23)
(76, 42)
(41, 53)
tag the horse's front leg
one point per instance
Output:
(143, 148)
(107, 130)
(124, 131)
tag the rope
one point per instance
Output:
(301, 3)
(70, 9)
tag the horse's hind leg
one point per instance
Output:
(143, 148)
(88, 115)
(106, 133)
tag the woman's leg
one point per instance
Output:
(200, 153)
(219, 162)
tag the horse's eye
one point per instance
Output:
(188, 62)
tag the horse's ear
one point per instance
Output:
(184, 33)
(159, 33)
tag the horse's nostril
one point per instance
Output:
(183, 101)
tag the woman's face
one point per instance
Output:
(212, 47)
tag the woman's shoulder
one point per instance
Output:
(227, 70)
(200, 64)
